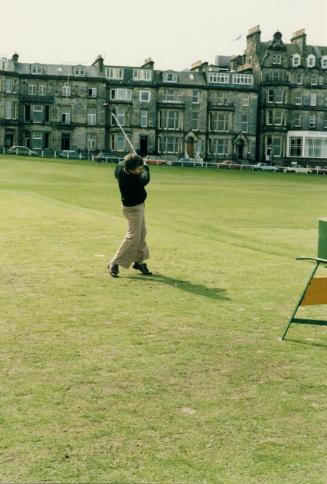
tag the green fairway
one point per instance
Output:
(176, 378)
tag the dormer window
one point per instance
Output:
(142, 75)
(296, 60)
(2, 64)
(324, 62)
(169, 77)
(36, 69)
(311, 60)
(79, 71)
(277, 59)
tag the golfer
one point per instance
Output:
(132, 176)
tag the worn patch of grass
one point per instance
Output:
(179, 377)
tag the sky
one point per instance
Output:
(174, 33)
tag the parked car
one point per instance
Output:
(265, 167)
(229, 164)
(155, 160)
(297, 169)
(106, 157)
(69, 154)
(186, 161)
(21, 150)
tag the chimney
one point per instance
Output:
(98, 62)
(299, 39)
(253, 40)
(15, 58)
(148, 63)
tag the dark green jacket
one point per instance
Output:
(132, 186)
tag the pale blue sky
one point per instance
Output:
(174, 33)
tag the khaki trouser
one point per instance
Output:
(133, 248)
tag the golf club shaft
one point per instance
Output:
(122, 130)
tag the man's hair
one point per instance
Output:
(132, 162)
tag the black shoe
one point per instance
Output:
(140, 266)
(113, 270)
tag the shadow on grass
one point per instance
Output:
(199, 289)
(308, 343)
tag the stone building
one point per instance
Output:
(292, 102)
(205, 111)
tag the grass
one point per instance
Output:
(175, 378)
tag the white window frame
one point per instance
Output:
(195, 96)
(118, 142)
(66, 117)
(79, 71)
(312, 121)
(92, 117)
(169, 77)
(324, 62)
(218, 78)
(243, 79)
(91, 141)
(31, 89)
(37, 135)
(311, 60)
(313, 99)
(36, 69)
(115, 73)
(142, 75)
(42, 89)
(92, 92)
(144, 118)
(66, 89)
(276, 59)
(296, 60)
(244, 123)
(145, 96)
(120, 94)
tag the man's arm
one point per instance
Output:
(145, 177)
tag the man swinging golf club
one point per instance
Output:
(132, 176)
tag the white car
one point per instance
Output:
(265, 167)
(21, 150)
(297, 169)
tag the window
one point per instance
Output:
(298, 78)
(118, 142)
(296, 60)
(278, 118)
(144, 119)
(278, 96)
(297, 120)
(8, 109)
(269, 118)
(172, 95)
(121, 94)
(36, 69)
(79, 71)
(142, 75)
(2, 64)
(246, 100)
(218, 146)
(295, 146)
(218, 78)
(195, 120)
(169, 119)
(32, 89)
(145, 96)
(277, 59)
(195, 97)
(314, 80)
(169, 144)
(298, 99)
(313, 99)
(37, 139)
(42, 89)
(115, 73)
(66, 89)
(218, 121)
(270, 96)
(244, 123)
(245, 79)
(121, 115)
(37, 113)
(312, 120)
(169, 77)
(91, 116)
(324, 62)
(311, 60)
(91, 141)
(8, 85)
(277, 146)
(92, 91)
(65, 117)
(314, 147)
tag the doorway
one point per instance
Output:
(65, 141)
(9, 139)
(240, 150)
(190, 147)
(143, 145)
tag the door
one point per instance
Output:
(9, 139)
(190, 147)
(65, 141)
(143, 145)
(240, 150)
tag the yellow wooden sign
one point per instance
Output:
(316, 293)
